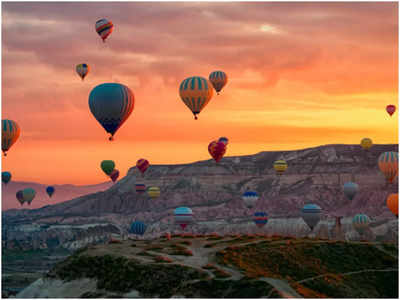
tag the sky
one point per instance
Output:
(300, 74)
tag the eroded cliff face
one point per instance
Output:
(213, 191)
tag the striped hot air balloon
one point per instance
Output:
(311, 214)
(153, 192)
(388, 163)
(140, 188)
(196, 92)
(350, 189)
(250, 198)
(142, 164)
(138, 228)
(280, 166)
(361, 223)
(218, 79)
(260, 218)
(82, 70)
(5, 177)
(183, 216)
(217, 150)
(393, 203)
(366, 143)
(111, 104)
(104, 28)
(9, 135)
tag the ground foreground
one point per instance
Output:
(224, 267)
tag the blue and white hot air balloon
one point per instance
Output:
(311, 214)
(250, 198)
(183, 216)
(350, 189)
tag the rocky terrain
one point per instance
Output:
(234, 266)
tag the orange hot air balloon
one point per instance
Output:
(217, 150)
(393, 203)
(142, 164)
(388, 163)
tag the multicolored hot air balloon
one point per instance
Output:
(82, 70)
(28, 195)
(260, 218)
(361, 223)
(20, 197)
(9, 135)
(217, 150)
(311, 214)
(111, 104)
(250, 198)
(218, 79)
(350, 189)
(224, 140)
(5, 177)
(107, 166)
(183, 216)
(142, 164)
(280, 166)
(393, 203)
(366, 143)
(195, 92)
(114, 175)
(50, 190)
(140, 188)
(391, 109)
(153, 192)
(138, 228)
(388, 163)
(104, 28)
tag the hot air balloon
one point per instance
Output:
(260, 218)
(224, 140)
(142, 164)
(350, 189)
(280, 166)
(5, 177)
(218, 79)
(50, 191)
(20, 197)
(393, 203)
(28, 194)
(250, 198)
(183, 216)
(361, 223)
(9, 135)
(138, 228)
(82, 70)
(104, 28)
(311, 214)
(391, 109)
(107, 166)
(195, 92)
(366, 143)
(114, 175)
(153, 192)
(217, 150)
(388, 163)
(140, 188)
(111, 104)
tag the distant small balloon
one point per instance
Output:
(391, 109)
(260, 218)
(393, 203)
(361, 223)
(114, 175)
(280, 166)
(140, 188)
(138, 228)
(154, 192)
(218, 79)
(82, 70)
(104, 28)
(5, 177)
(28, 194)
(142, 164)
(217, 150)
(20, 197)
(311, 214)
(250, 198)
(50, 190)
(366, 143)
(350, 189)
(183, 216)
(107, 166)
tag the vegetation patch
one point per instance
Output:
(184, 252)
(221, 273)
(208, 266)
(162, 259)
(188, 243)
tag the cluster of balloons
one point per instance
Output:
(108, 167)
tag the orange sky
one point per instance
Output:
(300, 75)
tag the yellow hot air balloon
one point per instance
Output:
(9, 135)
(196, 92)
(366, 143)
(153, 192)
(393, 203)
(280, 166)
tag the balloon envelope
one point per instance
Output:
(140, 188)
(311, 214)
(28, 195)
(388, 163)
(20, 197)
(250, 198)
(153, 192)
(138, 228)
(5, 177)
(390, 109)
(82, 70)
(361, 223)
(393, 203)
(280, 166)
(260, 218)
(366, 143)
(10, 132)
(183, 216)
(104, 28)
(218, 79)
(142, 164)
(111, 104)
(114, 175)
(350, 189)
(224, 140)
(107, 166)
(50, 190)
(217, 150)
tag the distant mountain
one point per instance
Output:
(63, 193)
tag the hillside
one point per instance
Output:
(212, 266)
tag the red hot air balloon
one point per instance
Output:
(114, 175)
(391, 109)
(142, 164)
(217, 150)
